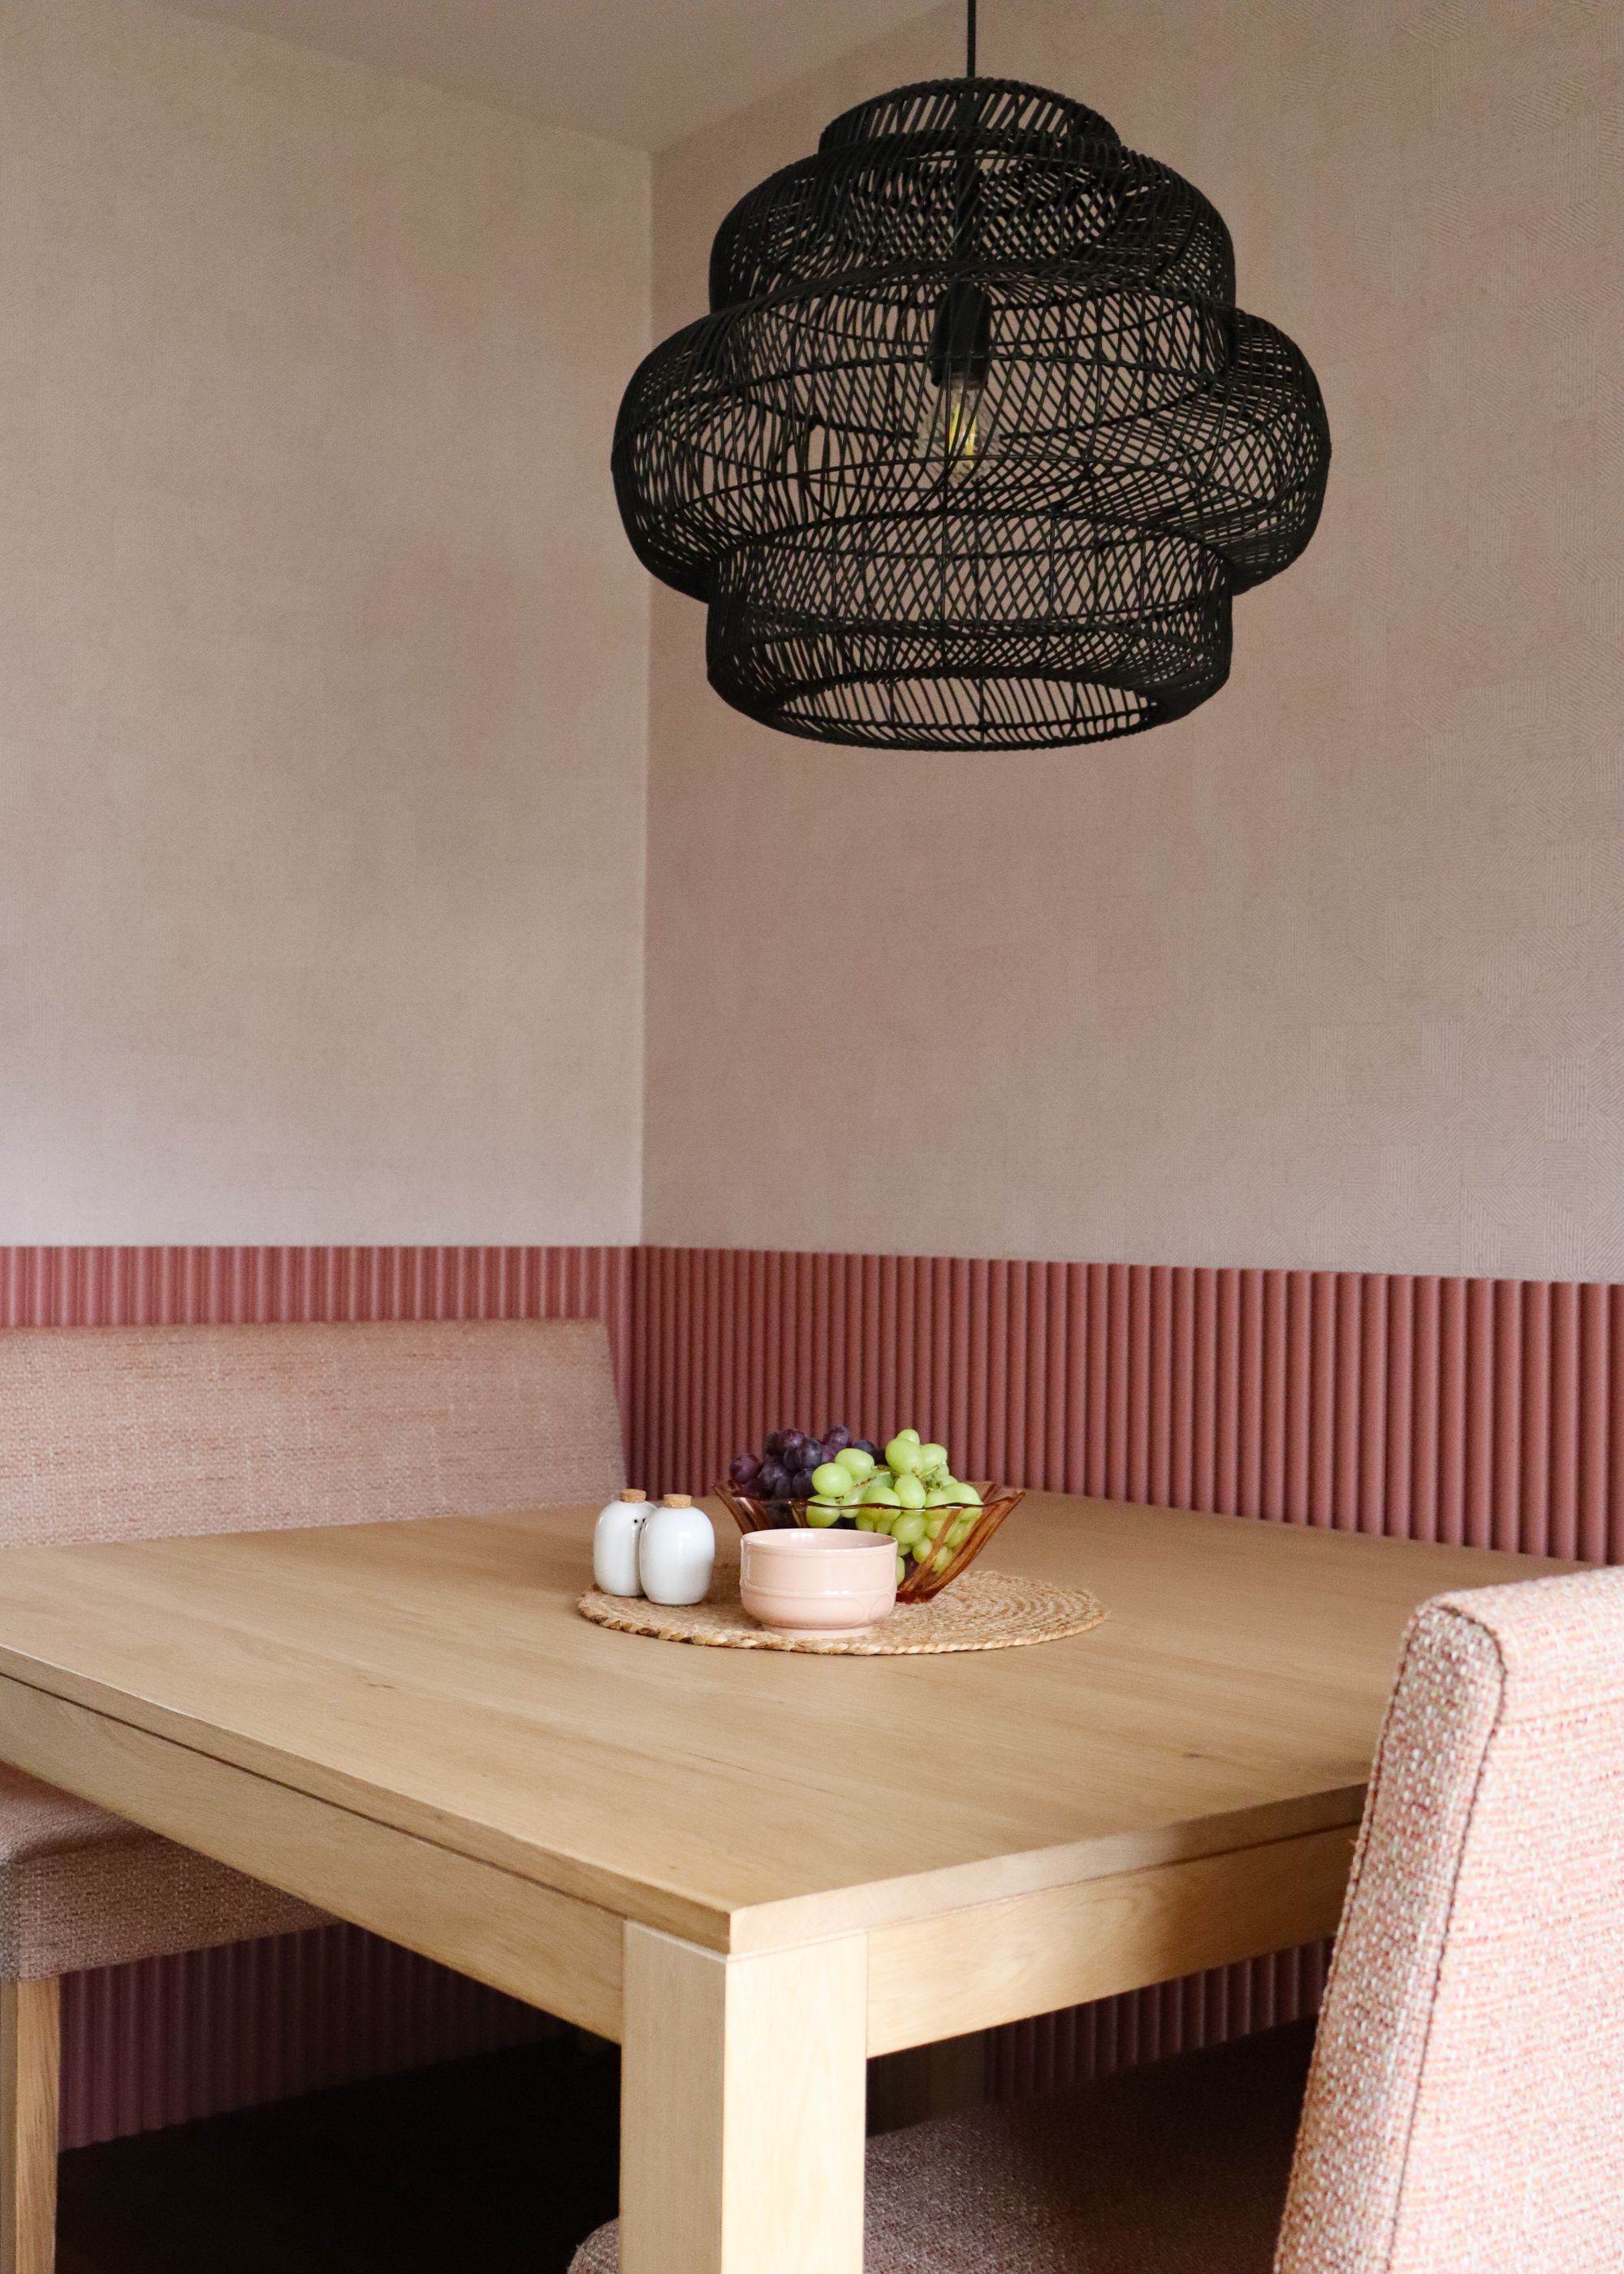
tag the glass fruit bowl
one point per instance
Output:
(945, 1563)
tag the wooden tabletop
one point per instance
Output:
(435, 1677)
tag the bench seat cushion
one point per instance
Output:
(1175, 2169)
(80, 1887)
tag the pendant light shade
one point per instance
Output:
(975, 449)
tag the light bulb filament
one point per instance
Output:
(961, 425)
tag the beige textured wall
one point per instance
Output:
(1332, 972)
(323, 707)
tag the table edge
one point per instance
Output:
(915, 1898)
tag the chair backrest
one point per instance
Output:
(126, 1433)
(1465, 2110)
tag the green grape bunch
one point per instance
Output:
(912, 1493)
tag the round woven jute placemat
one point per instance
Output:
(985, 1610)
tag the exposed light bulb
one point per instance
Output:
(950, 429)
(953, 428)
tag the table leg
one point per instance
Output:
(30, 2062)
(742, 2132)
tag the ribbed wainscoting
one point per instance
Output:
(179, 2038)
(1484, 1411)
(224, 1286)
(1115, 2033)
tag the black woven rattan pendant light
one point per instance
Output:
(975, 449)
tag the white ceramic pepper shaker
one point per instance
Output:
(614, 1544)
(676, 1551)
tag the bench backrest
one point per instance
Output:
(126, 1433)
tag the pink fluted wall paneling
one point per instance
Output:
(1488, 1413)
(172, 2038)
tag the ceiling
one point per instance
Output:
(643, 73)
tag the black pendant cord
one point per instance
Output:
(968, 185)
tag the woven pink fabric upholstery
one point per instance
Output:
(1178, 2169)
(1466, 2110)
(128, 1433)
(133, 1433)
(80, 1887)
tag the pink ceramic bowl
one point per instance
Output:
(818, 1583)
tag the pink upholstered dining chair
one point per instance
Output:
(139, 1433)
(1464, 2111)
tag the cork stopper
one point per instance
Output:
(634, 1492)
(679, 1500)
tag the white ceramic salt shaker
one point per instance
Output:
(614, 1544)
(676, 1552)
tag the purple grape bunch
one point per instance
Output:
(783, 1468)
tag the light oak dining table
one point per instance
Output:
(753, 1869)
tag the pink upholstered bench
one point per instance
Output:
(143, 1433)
